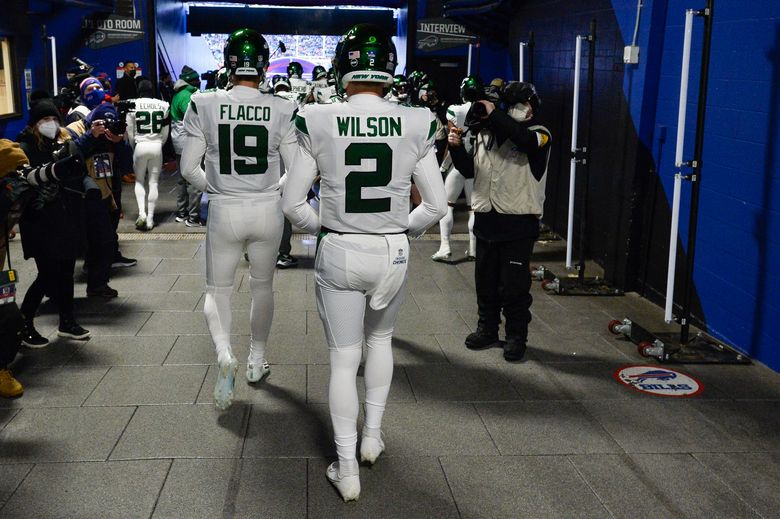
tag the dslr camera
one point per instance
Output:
(119, 126)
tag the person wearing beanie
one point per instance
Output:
(91, 94)
(148, 125)
(99, 146)
(188, 196)
(50, 227)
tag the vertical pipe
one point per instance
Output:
(673, 249)
(696, 178)
(678, 161)
(586, 162)
(521, 61)
(686, 65)
(468, 63)
(573, 163)
(531, 45)
(54, 72)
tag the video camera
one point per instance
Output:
(512, 93)
(67, 96)
(119, 126)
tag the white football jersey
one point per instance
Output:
(148, 121)
(366, 150)
(299, 87)
(456, 114)
(243, 130)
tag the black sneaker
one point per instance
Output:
(514, 349)
(31, 338)
(181, 218)
(285, 261)
(104, 291)
(72, 330)
(481, 340)
(122, 262)
(193, 222)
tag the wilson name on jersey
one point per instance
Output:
(148, 119)
(243, 129)
(366, 150)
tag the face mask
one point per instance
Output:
(94, 98)
(131, 73)
(519, 112)
(49, 129)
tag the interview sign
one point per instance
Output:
(440, 33)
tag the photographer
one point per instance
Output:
(50, 228)
(99, 136)
(91, 94)
(16, 192)
(509, 167)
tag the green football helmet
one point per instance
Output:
(318, 73)
(416, 79)
(471, 89)
(246, 53)
(294, 70)
(366, 53)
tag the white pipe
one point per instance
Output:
(54, 72)
(673, 248)
(521, 65)
(573, 163)
(468, 65)
(686, 65)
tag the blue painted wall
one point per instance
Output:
(739, 217)
(736, 285)
(24, 26)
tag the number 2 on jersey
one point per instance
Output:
(357, 180)
(149, 122)
(236, 143)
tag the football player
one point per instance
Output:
(298, 86)
(148, 125)
(471, 90)
(242, 132)
(399, 92)
(366, 151)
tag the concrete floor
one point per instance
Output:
(123, 425)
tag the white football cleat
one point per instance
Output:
(441, 255)
(256, 372)
(370, 449)
(348, 486)
(226, 381)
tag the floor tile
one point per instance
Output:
(145, 385)
(122, 351)
(524, 428)
(183, 431)
(240, 488)
(658, 485)
(660, 426)
(63, 434)
(459, 383)
(55, 387)
(11, 477)
(108, 489)
(524, 486)
(293, 429)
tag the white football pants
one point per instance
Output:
(147, 158)
(453, 185)
(347, 266)
(254, 225)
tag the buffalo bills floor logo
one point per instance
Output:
(658, 381)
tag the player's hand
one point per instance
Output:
(98, 128)
(454, 138)
(489, 107)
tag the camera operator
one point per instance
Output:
(51, 226)
(16, 182)
(509, 167)
(100, 136)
